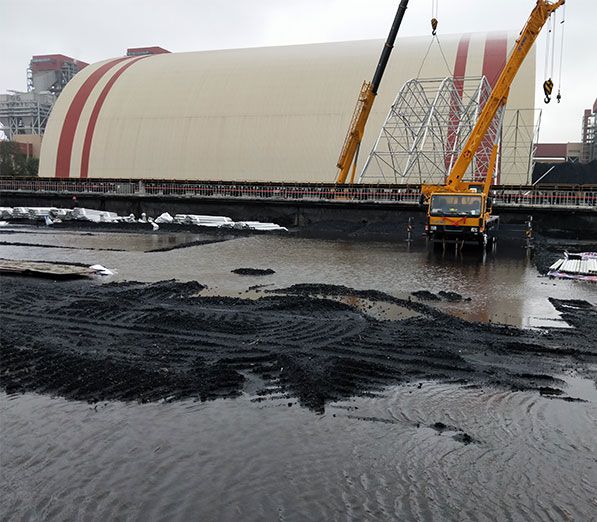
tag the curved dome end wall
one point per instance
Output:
(265, 114)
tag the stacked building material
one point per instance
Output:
(5, 212)
(204, 221)
(52, 215)
(97, 216)
(582, 266)
(258, 225)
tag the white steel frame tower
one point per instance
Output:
(425, 129)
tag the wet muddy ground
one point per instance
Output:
(164, 341)
(352, 381)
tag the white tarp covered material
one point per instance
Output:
(575, 266)
(39, 212)
(224, 222)
(97, 216)
(164, 218)
(101, 270)
(204, 221)
(60, 213)
(20, 213)
(126, 219)
(52, 215)
(257, 225)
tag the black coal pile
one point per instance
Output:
(164, 341)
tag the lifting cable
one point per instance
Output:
(553, 45)
(434, 21)
(549, 58)
(563, 24)
(434, 38)
(441, 50)
(425, 58)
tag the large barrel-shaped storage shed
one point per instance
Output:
(258, 114)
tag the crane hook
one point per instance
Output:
(547, 89)
(434, 23)
(559, 96)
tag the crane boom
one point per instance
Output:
(362, 110)
(459, 210)
(499, 94)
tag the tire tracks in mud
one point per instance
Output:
(164, 341)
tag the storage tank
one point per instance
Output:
(259, 114)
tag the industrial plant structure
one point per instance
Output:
(264, 114)
(24, 115)
(589, 134)
(584, 151)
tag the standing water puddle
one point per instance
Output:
(422, 450)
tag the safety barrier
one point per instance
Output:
(564, 196)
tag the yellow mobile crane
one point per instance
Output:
(350, 148)
(460, 210)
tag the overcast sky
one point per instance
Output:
(92, 30)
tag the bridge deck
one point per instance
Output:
(545, 197)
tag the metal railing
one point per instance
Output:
(548, 196)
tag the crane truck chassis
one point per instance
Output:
(461, 217)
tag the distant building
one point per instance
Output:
(51, 72)
(574, 163)
(26, 113)
(144, 51)
(582, 152)
(589, 134)
(558, 152)
(30, 144)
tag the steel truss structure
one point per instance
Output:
(589, 135)
(24, 113)
(520, 135)
(425, 129)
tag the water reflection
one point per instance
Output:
(366, 458)
(262, 458)
(504, 288)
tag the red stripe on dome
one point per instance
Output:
(460, 63)
(69, 127)
(95, 115)
(494, 60)
(459, 74)
(496, 54)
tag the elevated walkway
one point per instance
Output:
(556, 197)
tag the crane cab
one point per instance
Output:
(462, 217)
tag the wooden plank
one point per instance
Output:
(41, 269)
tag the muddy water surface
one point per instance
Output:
(504, 286)
(419, 451)
(379, 458)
